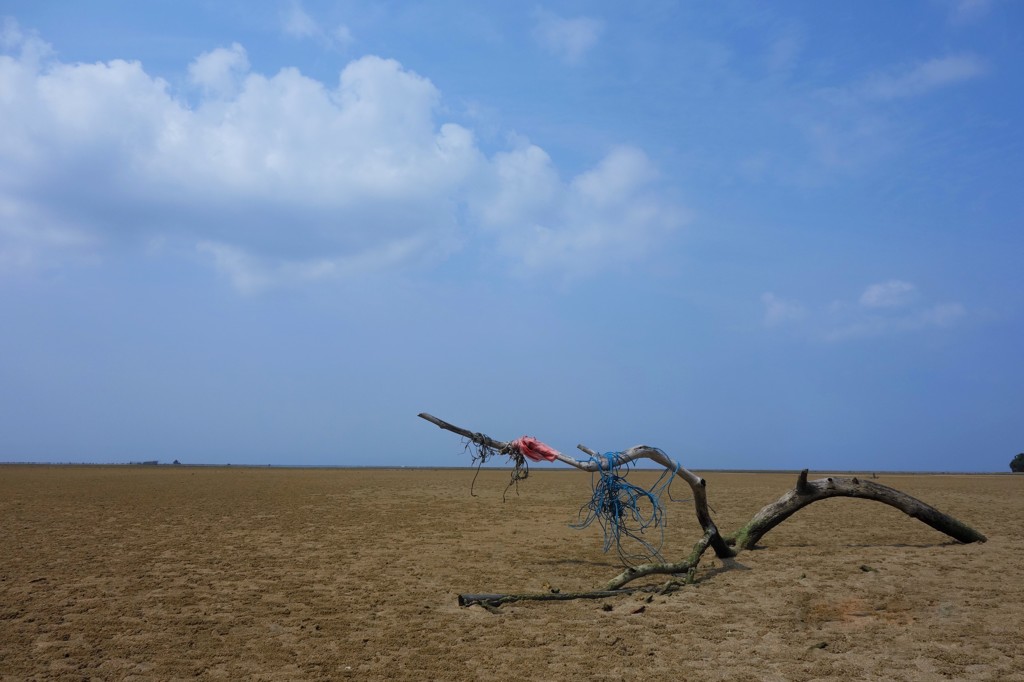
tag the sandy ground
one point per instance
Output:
(121, 573)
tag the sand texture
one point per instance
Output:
(173, 573)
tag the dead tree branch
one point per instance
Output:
(697, 484)
(803, 493)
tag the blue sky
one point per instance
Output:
(755, 235)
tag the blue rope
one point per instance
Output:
(626, 511)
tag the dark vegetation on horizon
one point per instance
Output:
(1017, 464)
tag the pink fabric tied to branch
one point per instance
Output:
(534, 449)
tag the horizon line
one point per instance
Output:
(152, 464)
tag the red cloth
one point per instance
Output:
(534, 449)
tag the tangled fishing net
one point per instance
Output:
(631, 517)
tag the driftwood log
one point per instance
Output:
(725, 546)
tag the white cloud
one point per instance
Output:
(849, 128)
(883, 309)
(924, 77)
(298, 24)
(569, 39)
(892, 294)
(342, 35)
(614, 213)
(219, 71)
(26, 43)
(281, 178)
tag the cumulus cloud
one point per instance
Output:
(26, 44)
(883, 309)
(922, 78)
(282, 178)
(612, 213)
(569, 39)
(219, 71)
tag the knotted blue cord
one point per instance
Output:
(626, 511)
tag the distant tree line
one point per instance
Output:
(1017, 464)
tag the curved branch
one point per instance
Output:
(687, 566)
(805, 492)
(697, 484)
